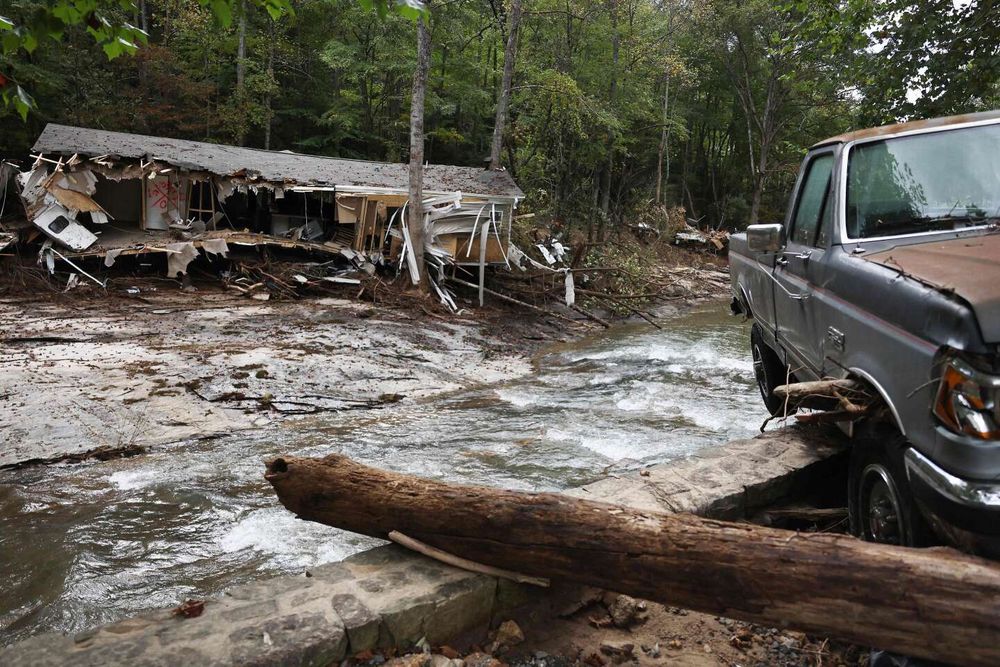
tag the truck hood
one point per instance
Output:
(968, 267)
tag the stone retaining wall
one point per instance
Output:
(384, 597)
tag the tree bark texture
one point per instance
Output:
(415, 208)
(664, 139)
(933, 603)
(508, 75)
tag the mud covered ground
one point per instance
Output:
(98, 371)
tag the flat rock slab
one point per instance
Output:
(116, 375)
(731, 481)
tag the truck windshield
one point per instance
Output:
(927, 182)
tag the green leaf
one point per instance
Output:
(11, 41)
(128, 46)
(6, 23)
(112, 49)
(29, 42)
(223, 12)
(23, 103)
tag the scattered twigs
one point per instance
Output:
(510, 299)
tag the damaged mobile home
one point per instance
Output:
(93, 193)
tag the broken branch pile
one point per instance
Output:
(839, 400)
(261, 281)
(627, 285)
(934, 603)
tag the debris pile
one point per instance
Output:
(690, 236)
(551, 274)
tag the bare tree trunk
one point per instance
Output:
(415, 212)
(241, 47)
(508, 75)
(664, 139)
(609, 164)
(241, 66)
(143, 16)
(758, 186)
(270, 76)
(929, 603)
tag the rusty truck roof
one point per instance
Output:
(898, 128)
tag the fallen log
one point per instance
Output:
(933, 603)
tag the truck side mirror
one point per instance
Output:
(765, 238)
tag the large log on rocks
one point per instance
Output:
(934, 603)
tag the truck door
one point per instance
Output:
(797, 266)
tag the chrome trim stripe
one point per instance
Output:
(971, 494)
(846, 156)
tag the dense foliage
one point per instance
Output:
(718, 97)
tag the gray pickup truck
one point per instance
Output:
(887, 271)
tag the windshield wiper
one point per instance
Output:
(951, 217)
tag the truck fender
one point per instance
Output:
(744, 300)
(869, 379)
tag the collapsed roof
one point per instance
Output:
(278, 167)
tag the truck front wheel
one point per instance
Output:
(880, 502)
(769, 371)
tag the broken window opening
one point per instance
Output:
(201, 202)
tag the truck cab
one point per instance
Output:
(886, 270)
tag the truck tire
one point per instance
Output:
(880, 503)
(769, 371)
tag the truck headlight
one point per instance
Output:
(968, 400)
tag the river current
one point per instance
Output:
(87, 544)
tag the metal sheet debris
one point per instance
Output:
(59, 224)
(179, 255)
(215, 247)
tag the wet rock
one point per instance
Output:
(618, 651)
(481, 660)
(449, 652)
(442, 661)
(625, 611)
(508, 635)
(412, 660)
(359, 621)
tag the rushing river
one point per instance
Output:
(87, 544)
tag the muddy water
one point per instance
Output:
(87, 544)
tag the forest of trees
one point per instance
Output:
(616, 105)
